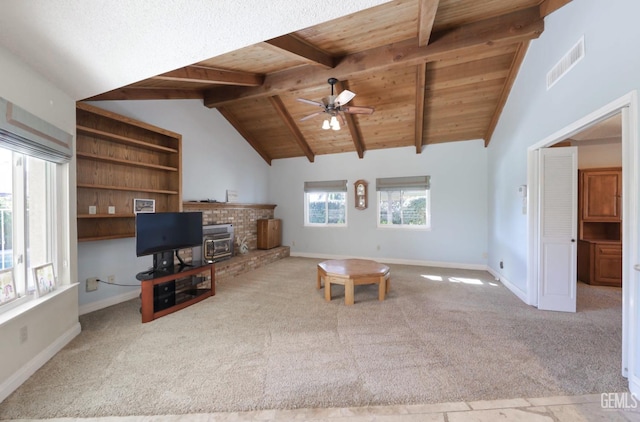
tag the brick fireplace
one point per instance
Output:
(244, 218)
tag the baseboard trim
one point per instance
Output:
(521, 294)
(110, 301)
(440, 264)
(23, 374)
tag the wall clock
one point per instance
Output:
(361, 194)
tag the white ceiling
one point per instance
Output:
(88, 47)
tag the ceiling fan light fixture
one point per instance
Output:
(335, 124)
(325, 124)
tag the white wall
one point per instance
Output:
(609, 70)
(458, 202)
(214, 158)
(51, 323)
(600, 155)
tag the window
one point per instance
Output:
(27, 193)
(404, 202)
(325, 203)
(34, 212)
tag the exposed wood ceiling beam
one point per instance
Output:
(277, 103)
(421, 86)
(504, 95)
(200, 74)
(427, 16)
(294, 46)
(502, 30)
(246, 135)
(351, 123)
(148, 94)
(547, 7)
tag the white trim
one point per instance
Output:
(440, 264)
(630, 252)
(521, 294)
(22, 374)
(105, 303)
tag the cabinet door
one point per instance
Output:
(601, 195)
(608, 264)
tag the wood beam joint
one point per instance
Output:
(503, 30)
(277, 103)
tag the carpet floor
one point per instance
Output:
(268, 339)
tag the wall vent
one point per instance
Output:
(566, 63)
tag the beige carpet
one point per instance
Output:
(269, 340)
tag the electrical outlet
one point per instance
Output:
(501, 264)
(92, 284)
(111, 279)
(24, 334)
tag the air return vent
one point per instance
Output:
(566, 63)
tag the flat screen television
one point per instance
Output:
(162, 234)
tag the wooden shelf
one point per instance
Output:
(124, 162)
(106, 215)
(128, 189)
(103, 237)
(119, 159)
(123, 140)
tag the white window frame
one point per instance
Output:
(326, 188)
(401, 185)
(38, 139)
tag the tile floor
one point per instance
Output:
(593, 407)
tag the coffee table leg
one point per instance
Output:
(348, 292)
(327, 289)
(382, 288)
(318, 284)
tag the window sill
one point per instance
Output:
(26, 304)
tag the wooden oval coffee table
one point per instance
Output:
(350, 273)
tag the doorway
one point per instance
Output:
(627, 108)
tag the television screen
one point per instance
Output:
(167, 231)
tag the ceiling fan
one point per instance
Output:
(334, 106)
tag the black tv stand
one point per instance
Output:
(163, 264)
(194, 293)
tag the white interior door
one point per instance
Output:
(558, 172)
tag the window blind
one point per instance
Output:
(326, 186)
(403, 183)
(28, 134)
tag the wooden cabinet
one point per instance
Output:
(269, 233)
(600, 263)
(183, 287)
(601, 191)
(120, 159)
(599, 226)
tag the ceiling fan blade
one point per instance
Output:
(315, 103)
(344, 97)
(358, 110)
(311, 115)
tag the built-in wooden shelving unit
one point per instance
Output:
(120, 159)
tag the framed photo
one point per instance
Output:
(232, 196)
(7, 286)
(45, 279)
(144, 205)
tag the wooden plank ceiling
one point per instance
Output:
(435, 71)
